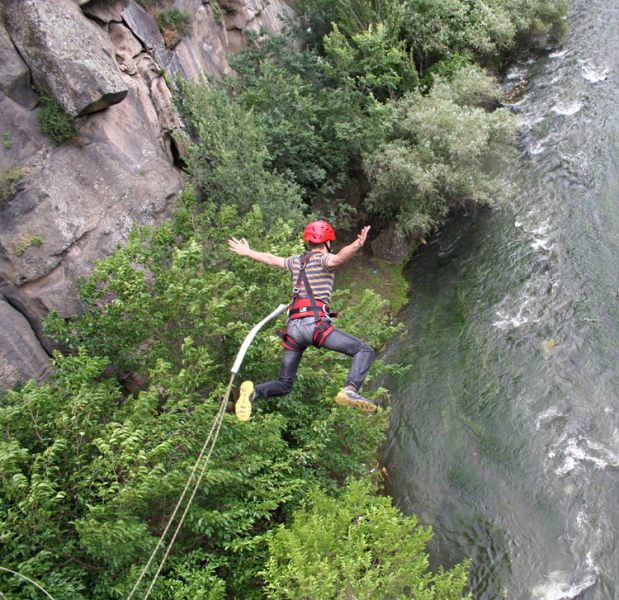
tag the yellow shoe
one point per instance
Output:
(242, 408)
(348, 397)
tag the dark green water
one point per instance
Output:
(505, 432)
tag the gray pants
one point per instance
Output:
(302, 331)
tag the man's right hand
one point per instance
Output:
(241, 247)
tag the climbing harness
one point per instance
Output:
(305, 307)
(211, 439)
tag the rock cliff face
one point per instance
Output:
(61, 207)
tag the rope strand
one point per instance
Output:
(27, 579)
(195, 489)
(218, 418)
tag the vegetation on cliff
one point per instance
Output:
(90, 473)
(392, 96)
(55, 122)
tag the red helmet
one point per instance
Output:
(318, 232)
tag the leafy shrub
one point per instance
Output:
(174, 26)
(89, 473)
(315, 128)
(55, 122)
(358, 111)
(446, 68)
(227, 159)
(298, 112)
(358, 546)
(359, 16)
(371, 61)
(446, 152)
(9, 181)
(487, 31)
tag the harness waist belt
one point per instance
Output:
(304, 307)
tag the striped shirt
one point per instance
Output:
(319, 275)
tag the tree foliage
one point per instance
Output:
(486, 30)
(90, 472)
(446, 151)
(227, 156)
(357, 546)
(394, 96)
(370, 62)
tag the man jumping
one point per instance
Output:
(309, 323)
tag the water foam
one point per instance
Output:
(558, 54)
(506, 321)
(547, 415)
(540, 239)
(592, 72)
(582, 450)
(559, 587)
(567, 109)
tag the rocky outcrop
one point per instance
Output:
(392, 246)
(205, 49)
(78, 202)
(242, 16)
(83, 201)
(15, 74)
(66, 53)
(104, 11)
(21, 356)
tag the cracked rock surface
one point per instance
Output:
(75, 203)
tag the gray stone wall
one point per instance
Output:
(103, 60)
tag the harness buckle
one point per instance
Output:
(296, 291)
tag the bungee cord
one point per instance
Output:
(219, 420)
(216, 424)
(27, 579)
(213, 434)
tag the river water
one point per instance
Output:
(504, 432)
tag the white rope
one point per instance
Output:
(215, 427)
(27, 579)
(195, 488)
(252, 334)
(218, 417)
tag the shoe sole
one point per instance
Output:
(242, 408)
(360, 405)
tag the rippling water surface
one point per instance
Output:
(504, 433)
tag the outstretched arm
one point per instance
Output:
(347, 252)
(241, 247)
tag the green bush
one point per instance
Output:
(357, 111)
(227, 156)
(27, 242)
(371, 62)
(315, 128)
(487, 31)
(174, 26)
(89, 473)
(9, 181)
(359, 16)
(55, 122)
(446, 152)
(358, 546)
